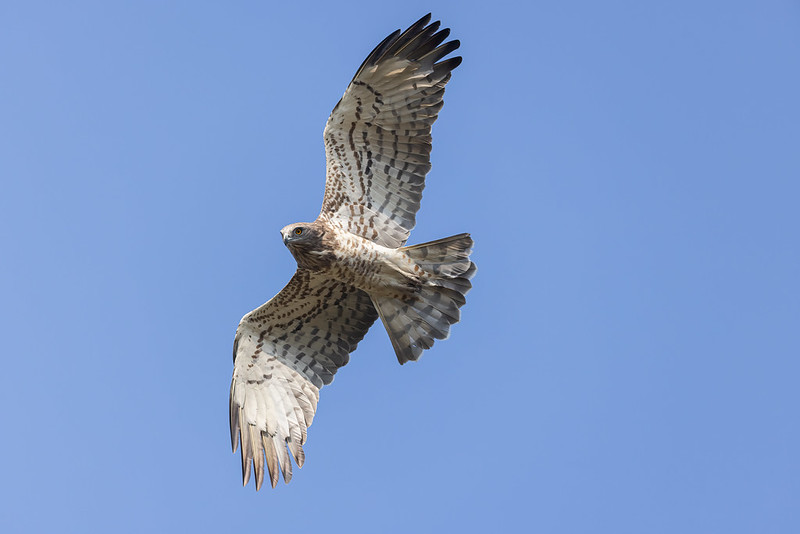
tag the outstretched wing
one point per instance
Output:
(378, 137)
(284, 352)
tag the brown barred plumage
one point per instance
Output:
(352, 265)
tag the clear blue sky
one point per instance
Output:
(628, 361)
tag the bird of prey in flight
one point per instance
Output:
(352, 262)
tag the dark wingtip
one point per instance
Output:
(419, 41)
(453, 62)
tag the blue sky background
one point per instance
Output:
(628, 359)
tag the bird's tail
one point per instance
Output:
(414, 322)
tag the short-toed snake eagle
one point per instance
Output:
(352, 265)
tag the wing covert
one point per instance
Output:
(284, 352)
(378, 137)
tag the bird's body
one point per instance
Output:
(336, 253)
(352, 265)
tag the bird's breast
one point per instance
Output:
(373, 268)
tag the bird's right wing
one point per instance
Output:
(378, 137)
(284, 352)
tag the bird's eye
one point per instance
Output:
(298, 231)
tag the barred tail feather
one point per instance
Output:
(448, 257)
(414, 323)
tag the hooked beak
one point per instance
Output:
(285, 239)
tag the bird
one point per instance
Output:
(353, 265)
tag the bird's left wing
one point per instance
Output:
(284, 352)
(378, 137)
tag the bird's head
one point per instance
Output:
(306, 242)
(300, 234)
